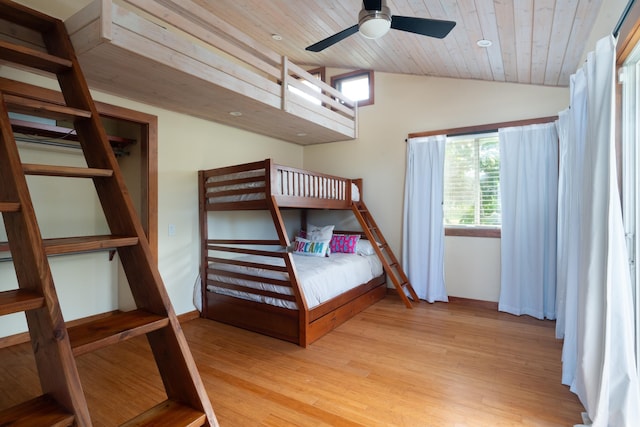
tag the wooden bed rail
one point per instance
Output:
(250, 185)
(252, 289)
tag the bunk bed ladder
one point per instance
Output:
(389, 261)
(55, 346)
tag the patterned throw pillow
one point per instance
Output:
(310, 248)
(345, 243)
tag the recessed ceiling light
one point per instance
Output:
(484, 43)
(301, 134)
(235, 113)
(276, 37)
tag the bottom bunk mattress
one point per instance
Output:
(321, 278)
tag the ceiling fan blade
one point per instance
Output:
(372, 4)
(329, 41)
(426, 27)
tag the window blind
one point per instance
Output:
(472, 181)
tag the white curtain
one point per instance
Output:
(423, 227)
(594, 284)
(571, 131)
(529, 194)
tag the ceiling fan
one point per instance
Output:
(375, 19)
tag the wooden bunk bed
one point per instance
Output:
(256, 284)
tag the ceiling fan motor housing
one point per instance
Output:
(374, 23)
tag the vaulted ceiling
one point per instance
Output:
(534, 41)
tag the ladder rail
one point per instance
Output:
(54, 357)
(389, 261)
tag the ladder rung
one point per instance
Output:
(18, 104)
(17, 300)
(109, 330)
(24, 55)
(169, 414)
(68, 245)
(65, 171)
(41, 411)
(9, 207)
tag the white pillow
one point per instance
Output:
(364, 247)
(319, 234)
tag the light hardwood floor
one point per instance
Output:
(436, 365)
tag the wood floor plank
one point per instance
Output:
(436, 365)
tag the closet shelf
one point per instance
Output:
(59, 132)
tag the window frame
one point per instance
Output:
(339, 78)
(479, 231)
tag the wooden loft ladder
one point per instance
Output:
(55, 346)
(389, 261)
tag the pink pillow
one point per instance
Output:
(345, 243)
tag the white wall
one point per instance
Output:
(406, 104)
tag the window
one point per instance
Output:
(357, 86)
(472, 184)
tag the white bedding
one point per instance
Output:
(321, 278)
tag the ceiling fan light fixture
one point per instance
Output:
(374, 23)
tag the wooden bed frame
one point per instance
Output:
(271, 187)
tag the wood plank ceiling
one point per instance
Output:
(534, 41)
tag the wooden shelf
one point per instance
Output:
(69, 245)
(110, 330)
(65, 171)
(17, 300)
(53, 131)
(168, 414)
(32, 58)
(42, 411)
